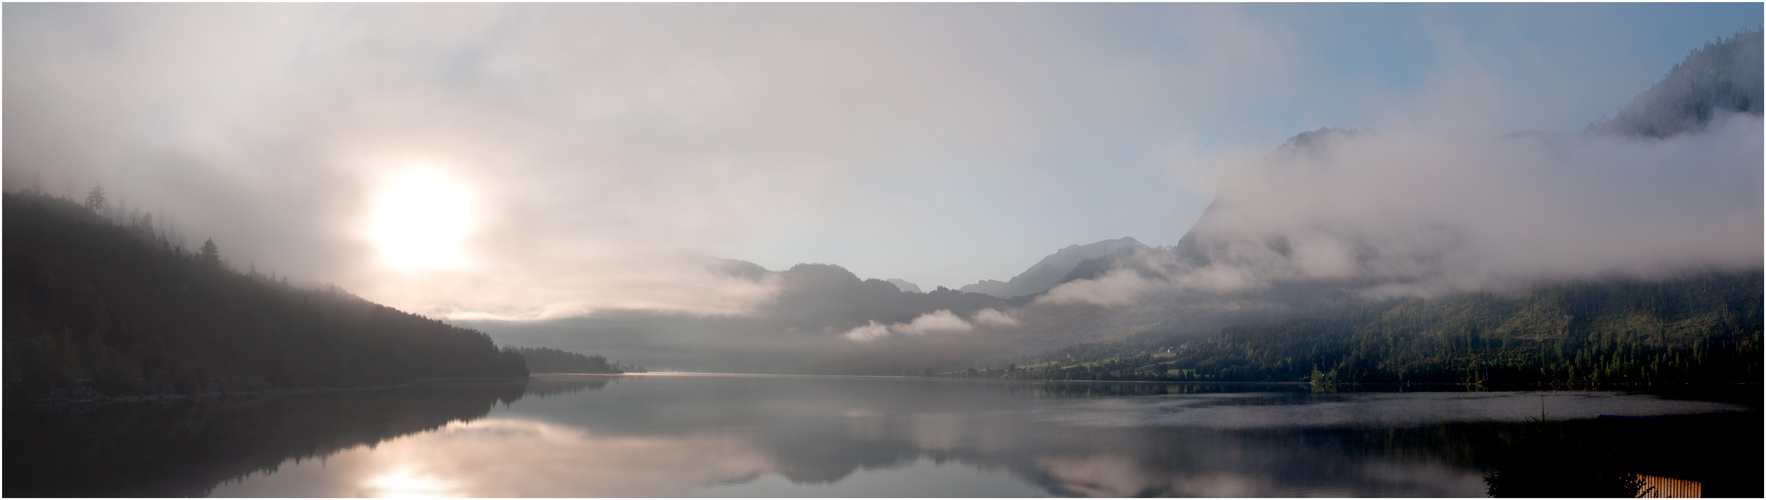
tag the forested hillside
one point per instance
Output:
(1263, 288)
(94, 305)
(1721, 77)
(548, 360)
(1701, 328)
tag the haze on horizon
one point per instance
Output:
(544, 161)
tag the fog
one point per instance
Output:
(1418, 214)
(600, 155)
(575, 176)
(1670, 185)
(604, 149)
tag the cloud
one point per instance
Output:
(605, 144)
(521, 291)
(1421, 213)
(870, 331)
(995, 318)
(1119, 287)
(1472, 212)
(942, 321)
(598, 141)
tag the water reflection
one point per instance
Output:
(406, 482)
(500, 457)
(546, 386)
(640, 436)
(185, 448)
(1285, 410)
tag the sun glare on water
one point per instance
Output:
(405, 482)
(420, 220)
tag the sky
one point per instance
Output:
(547, 160)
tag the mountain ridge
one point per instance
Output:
(1721, 77)
(1049, 271)
(1679, 325)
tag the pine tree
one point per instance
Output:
(211, 254)
(95, 199)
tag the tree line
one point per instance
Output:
(548, 360)
(1702, 328)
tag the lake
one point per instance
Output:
(692, 435)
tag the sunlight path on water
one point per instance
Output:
(410, 482)
(499, 457)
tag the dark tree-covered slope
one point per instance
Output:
(92, 305)
(1722, 77)
(548, 360)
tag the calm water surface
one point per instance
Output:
(782, 436)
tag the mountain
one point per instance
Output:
(1264, 265)
(1724, 76)
(1263, 288)
(91, 305)
(830, 295)
(1049, 271)
(905, 286)
(801, 330)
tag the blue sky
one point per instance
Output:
(596, 145)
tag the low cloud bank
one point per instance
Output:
(942, 321)
(995, 318)
(1417, 214)
(519, 291)
(1119, 287)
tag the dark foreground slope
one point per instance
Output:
(95, 306)
(548, 360)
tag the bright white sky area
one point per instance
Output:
(545, 160)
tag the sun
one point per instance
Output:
(420, 220)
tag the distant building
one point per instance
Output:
(1667, 487)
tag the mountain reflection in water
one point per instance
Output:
(186, 447)
(702, 435)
